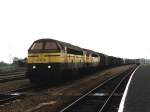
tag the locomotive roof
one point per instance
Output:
(62, 43)
(45, 39)
(67, 44)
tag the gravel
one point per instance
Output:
(7, 86)
(54, 98)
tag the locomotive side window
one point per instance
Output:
(37, 46)
(94, 55)
(51, 46)
(73, 51)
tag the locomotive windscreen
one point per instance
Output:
(37, 46)
(51, 46)
(44, 46)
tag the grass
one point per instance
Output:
(4, 67)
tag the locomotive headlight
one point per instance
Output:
(34, 67)
(49, 66)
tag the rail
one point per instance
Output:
(5, 77)
(98, 98)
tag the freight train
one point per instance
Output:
(48, 59)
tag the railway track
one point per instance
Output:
(12, 94)
(5, 77)
(104, 98)
(11, 73)
(15, 94)
(4, 98)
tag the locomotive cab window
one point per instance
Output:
(37, 46)
(44, 46)
(51, 46)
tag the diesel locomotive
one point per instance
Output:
(48, 59)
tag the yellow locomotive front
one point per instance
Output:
(50, 59)
(45, 59)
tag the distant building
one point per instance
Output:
(144, 61)
(20, 62)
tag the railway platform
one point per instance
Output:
(136, 97)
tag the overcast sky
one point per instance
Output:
(115, 27)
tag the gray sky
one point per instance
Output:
(114, 27)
